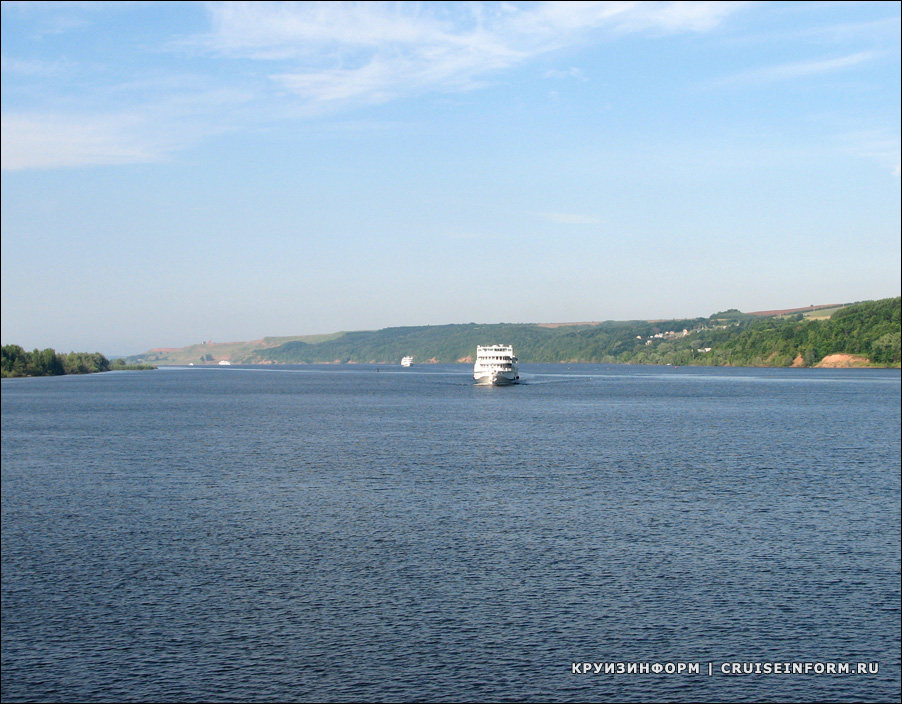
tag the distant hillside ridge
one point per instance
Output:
(791, 311)
(862, 334)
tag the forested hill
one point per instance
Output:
(869, 331)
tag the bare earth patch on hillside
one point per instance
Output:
(842, 361)
(791, 311)
(836, 361)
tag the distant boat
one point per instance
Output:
(496, 365)
(224, 363)
(406, 361)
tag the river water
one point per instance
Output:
(372, 533)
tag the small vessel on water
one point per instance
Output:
(406, 361)
(496, 365)
(224, 363)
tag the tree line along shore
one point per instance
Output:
(16, 362)
(865, 334)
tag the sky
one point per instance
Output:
(174, 173)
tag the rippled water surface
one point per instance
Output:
(363, 533)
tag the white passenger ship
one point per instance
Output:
(496, 365)
(406, 361)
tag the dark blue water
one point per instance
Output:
(342, 534)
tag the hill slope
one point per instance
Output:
(868, 331)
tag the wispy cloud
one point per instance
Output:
(572, 72)
(327, 55)
(51, 141)
(883, 31)
(372, 52)
(32, 67)
(879, 145)
(570, 218)
(792, 71)
(144, 133)
(565, 21)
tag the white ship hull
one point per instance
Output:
(495, 378)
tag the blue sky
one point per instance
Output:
(180, 172)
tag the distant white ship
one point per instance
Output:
(406, 361)
(224, 363)
(496, 365)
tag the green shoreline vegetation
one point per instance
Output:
(16, 362)
(866, 333)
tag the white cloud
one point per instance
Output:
(329, 55)
(281, 29)
(147, 132)
(880, 146)
(800, 69)
(372, 52)
(32, 67)
(637, 17)
(570, 218)
(572, 72)
(681, 16)
(50, 141)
